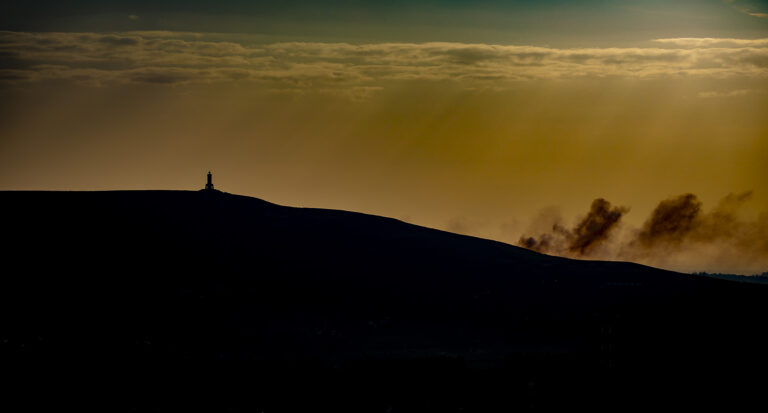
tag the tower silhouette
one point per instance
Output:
(209, 185)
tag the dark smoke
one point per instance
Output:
(595, 227)
(671, 221)
(680, 219)
(677, 235)
(589, 233)
(543, 244)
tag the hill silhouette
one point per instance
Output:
(181, 300)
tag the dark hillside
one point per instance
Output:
(207, 301)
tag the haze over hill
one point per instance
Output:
(194, 299)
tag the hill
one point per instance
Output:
(207, 300)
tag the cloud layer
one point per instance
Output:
(183, 58)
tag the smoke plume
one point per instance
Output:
(671, 221)
(595, 227)
(678, 234)
(584, 238)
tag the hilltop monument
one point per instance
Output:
(209, 185)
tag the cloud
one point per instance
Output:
(728, 94)
(746, 9)
(184, 58)
(706, 42)
(133, 17)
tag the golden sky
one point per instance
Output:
(482, 130)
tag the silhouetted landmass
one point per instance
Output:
(180, 301)
(757, 278)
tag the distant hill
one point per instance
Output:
(128, 300)
(756, 279)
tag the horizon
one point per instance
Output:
(580, 258)
(502, 120)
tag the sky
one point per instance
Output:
(506, 120)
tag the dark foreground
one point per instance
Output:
(205, 301)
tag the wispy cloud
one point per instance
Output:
(726, 94)
(182, 58)
(746, 9)
(713, 42)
